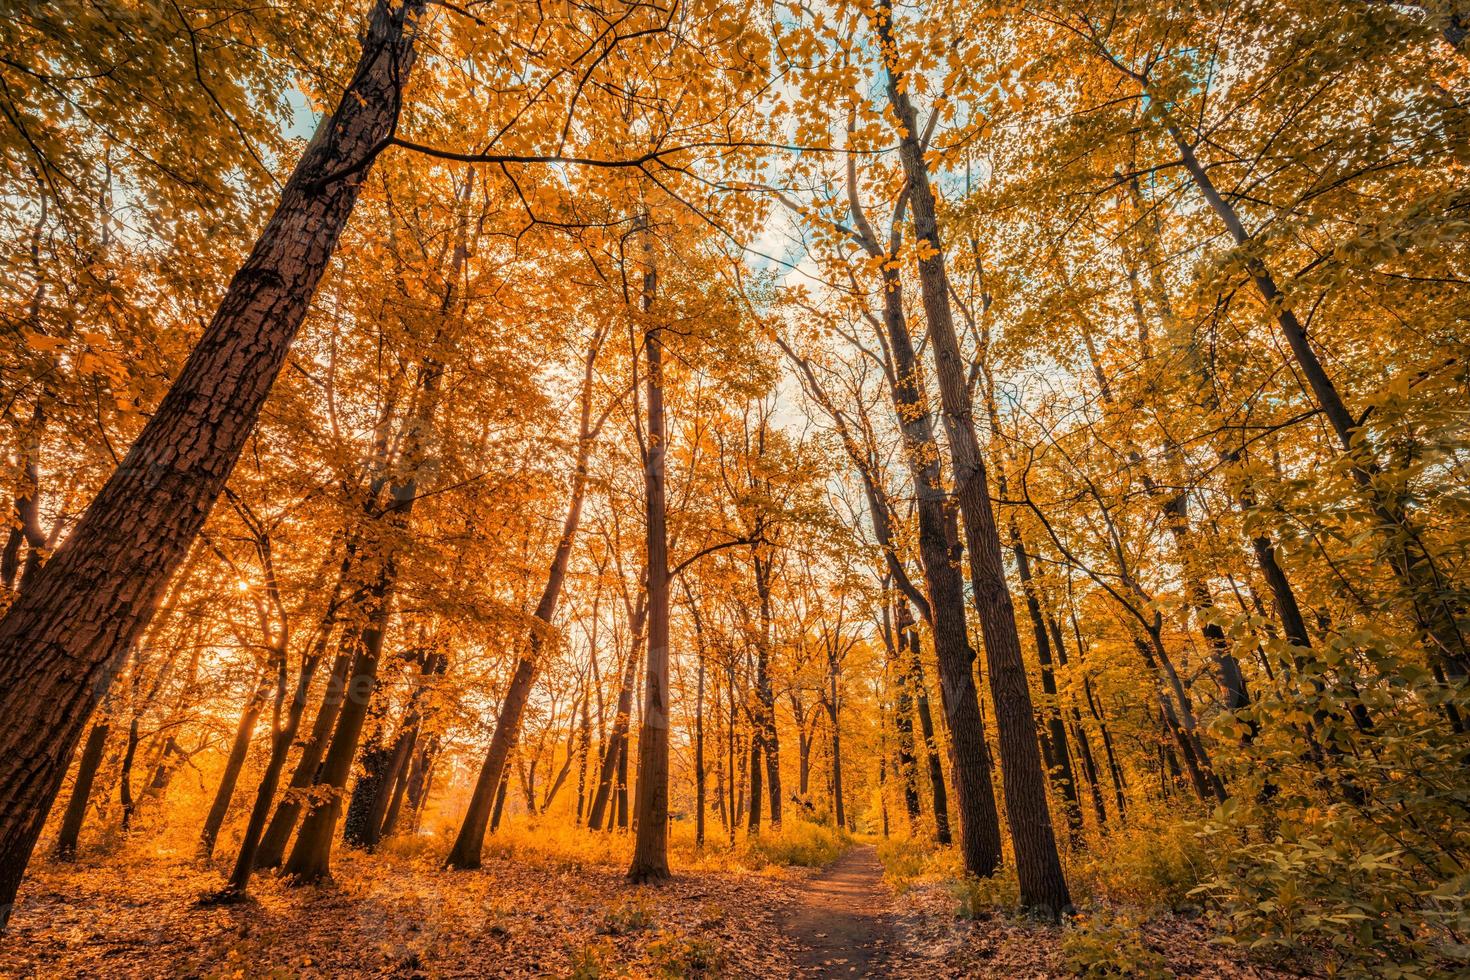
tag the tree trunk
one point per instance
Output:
(233, 764)
(651, 803)
(937, 788)
(311, 855)
(1043, 885)
(471, 838)
(500, 794)
(272, 848)
(753, 774)
(903, 708)
(1433, 608)
(125, 776)
(81, 790)
(700, 777)
(281, 740)
(832, 709)
(112, 569)
(607, 779)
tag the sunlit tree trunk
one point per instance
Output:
(272, 849)
(234, 762)
(465, 854)
(1043, 885)
(651, 803)
(114, 566)
(608, 774)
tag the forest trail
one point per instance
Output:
(840, 921)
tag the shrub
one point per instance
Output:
(674, 955)
(905, 860)
(983, 898)
(1150, 863)
(1339, 898)
(799, 843)
(1110, 947)
(631, 915)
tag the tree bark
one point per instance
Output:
(1043, 885)
(112, 569)
(651, 801)
(272, 848)
(607, 780)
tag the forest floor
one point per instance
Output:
(397, 916)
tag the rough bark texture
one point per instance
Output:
(61, 641)
(940, 554)
(1038, 864)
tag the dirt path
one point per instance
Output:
(840, 921)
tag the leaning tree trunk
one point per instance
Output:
(272, 849)
(112, 569)
(81, 791)
(281, 740)
(233, 764)
(1038, 864)
(465, 854)
(940, 553)
(1413, 563)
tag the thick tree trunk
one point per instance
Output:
(372, 777)
(112, 569)
(389, 783)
